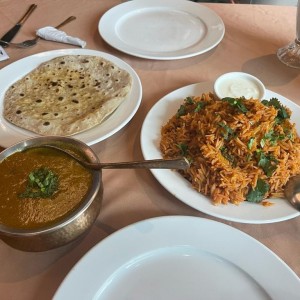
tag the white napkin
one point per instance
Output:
(52, 34)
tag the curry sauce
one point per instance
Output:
(74, 182)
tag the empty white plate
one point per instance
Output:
(161, 29)
(176, 258)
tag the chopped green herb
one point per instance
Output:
(257, 194)
(181, 111)
(270, 135)
(282, 112)
(267, 136)
(183, 148)
(199, 106)
(273, 137)
(227, 155)
(228, 132)
(262, 142)
(250, 143)
(42, 183)
(267, 163)
(237, 103)
(189, 100)
(248, 157)
(290, 136)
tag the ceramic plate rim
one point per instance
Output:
(99, 263)
(108, 21)
(11, 134)
(244, 213)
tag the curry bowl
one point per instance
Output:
(37, 223)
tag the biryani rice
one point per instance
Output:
(232, 151)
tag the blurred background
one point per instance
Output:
(271, 2)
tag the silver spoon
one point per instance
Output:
(292, 191)
(179, 164)
(30, 43)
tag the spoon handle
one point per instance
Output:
(180, 164)
(66, 22)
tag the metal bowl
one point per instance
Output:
(72, 226)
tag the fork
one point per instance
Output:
(30, 43)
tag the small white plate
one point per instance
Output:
(161, 29)
(246, 212)
(178, 258)
(11, 134)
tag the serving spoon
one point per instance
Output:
(292, 191)
(179, 163)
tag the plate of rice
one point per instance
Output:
(242, 152)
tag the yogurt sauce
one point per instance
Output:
(239, 87)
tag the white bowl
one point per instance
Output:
(239, 84)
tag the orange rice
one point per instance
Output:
(233, 151)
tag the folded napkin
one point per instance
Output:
(52, 34)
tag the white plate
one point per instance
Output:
(161, 29)
(11, 134)
(246, 212)
(176, 258)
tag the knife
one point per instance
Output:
(7, 37)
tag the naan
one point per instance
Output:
(66, 95)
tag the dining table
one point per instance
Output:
(253, 34)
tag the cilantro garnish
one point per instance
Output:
(262, 142)
(227, 155)
(228, 132)
(250, 143)
(189, 100)
(257, 194)
(42, 183)
(290, 135)
(183, 148)
(199, 106)
(282, 112)
(181, 111)
(273, 137)
(237, 103)
(267, 162)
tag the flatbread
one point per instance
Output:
(66, 95)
